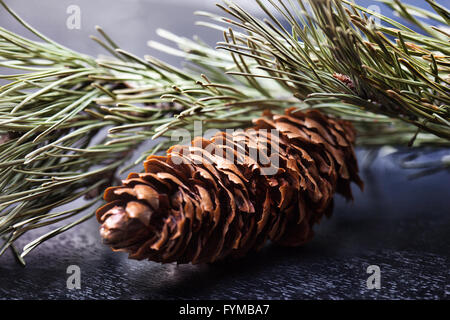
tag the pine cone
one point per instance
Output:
(345, 79)
(194, 205)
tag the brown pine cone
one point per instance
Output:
(194, 205)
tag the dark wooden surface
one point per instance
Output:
(398, 223)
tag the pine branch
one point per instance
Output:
(70, 122)
(334, 57)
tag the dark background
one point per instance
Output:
(401, 222)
